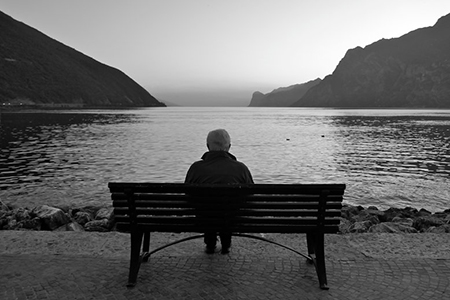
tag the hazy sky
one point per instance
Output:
(201, 52)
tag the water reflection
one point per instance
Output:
(402, 159)
(386, 158)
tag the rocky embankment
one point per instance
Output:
(44, 217)
(357, 219)
(354, 219)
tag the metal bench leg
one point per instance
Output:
(320, 264)
(310, 241)
(146, 247)
(135, 260)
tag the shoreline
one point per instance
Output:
(353, 219)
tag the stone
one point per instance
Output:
(349, 211)
(97, 225)
(32, 224)
(72, 226)
(360, 227)
(21, 214)
(423, 223)
(51, 217)
(404, 221)
(447, 219)
(82, 217)
(391, 227)
(344, 225)
(12, 224)
(423, 212)
(439, 229)
(104, 213)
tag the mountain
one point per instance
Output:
(38, 70)
(410, 71)
(282, 97)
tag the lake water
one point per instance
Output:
(386, 157)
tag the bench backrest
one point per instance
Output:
(254, 208)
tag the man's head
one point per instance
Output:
(218, 140)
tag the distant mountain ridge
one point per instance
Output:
(282, 97)
(38, 70)
(410, 71)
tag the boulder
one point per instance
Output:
(11, 223)
(423, 212)
(360, 227)
(423, 223)
(51, 217)
(104, 213)
(404, 221)
(21, 214)
(97, 225)
(391, 227)
(373, 216)
(32, 224)
(349, 211)
(82, 217)
(407, 212)
(344, 225)
(72, 226)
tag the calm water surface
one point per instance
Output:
(386, 157)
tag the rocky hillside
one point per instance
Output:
(410, 71)
(282, 97)
(38, 70)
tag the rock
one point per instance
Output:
(51, 217)
(12, 224)
(33, 224)
(348, 212)
(423, 213)
(344, 225)
(97, 225)
(360, 227)
(423, 223)
(72, 226)
(404, 221)
(82, 217)
(21, 214)
(391, 227)
(407, 212)
(104, 213)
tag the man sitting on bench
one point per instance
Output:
(218, 166)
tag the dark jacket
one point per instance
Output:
(218, 167)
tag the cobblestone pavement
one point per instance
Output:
(252, 270)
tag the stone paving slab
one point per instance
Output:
(95, 266)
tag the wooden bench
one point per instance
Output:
(141, 208)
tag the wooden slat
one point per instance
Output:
(241, 212)
(314, 189)
(185, 197)
(237, 229)
(286, 213)
(246, 203)
(223, 220)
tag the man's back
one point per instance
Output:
(218, 167)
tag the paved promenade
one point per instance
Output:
(71, 265)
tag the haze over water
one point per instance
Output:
(386, 157)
